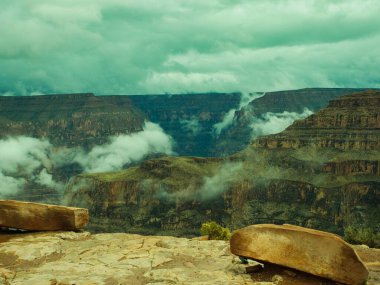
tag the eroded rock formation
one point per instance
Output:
(351, 122)
(308, 183)
(69, 119)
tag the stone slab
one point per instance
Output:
(315, 252)
(41, 217)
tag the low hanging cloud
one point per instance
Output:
(192, 126)
(21, 157)
(122, 150)
(213, 186)
(221, 181)
(25, 159)
(229, 117)
(273, 123)
(227, 121)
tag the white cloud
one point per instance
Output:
(273, 123)
(193, 126)
(46, 179)
(229, 117)
(23, 155)
(218, 183)
(25, 159)
(125, 149)
(10, 185)
(20, 158)
(227, 121)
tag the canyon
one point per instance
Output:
(326, 179)
(321, 172)
(86, 120)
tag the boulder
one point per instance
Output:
(41, 217)
(315, 252)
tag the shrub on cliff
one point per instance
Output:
(360, 235)
(215, 231)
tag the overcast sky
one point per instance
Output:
(157, 46)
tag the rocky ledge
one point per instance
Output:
(81, 258)
(351, 122)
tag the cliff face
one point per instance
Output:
(308, 184)
(87, 120)
(158, 195)
(169, 198)
(189, 118)
(349, 123)
(296, 100)
(69, 120)
(239, 135)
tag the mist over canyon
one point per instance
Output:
(109, 154)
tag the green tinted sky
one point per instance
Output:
(152, 46)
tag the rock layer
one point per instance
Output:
(319, 187)
(69, 119)
(351, 122)
(319, 253)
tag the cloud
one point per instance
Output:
(193, 126)
(273, 123)
(21, 157)
(213, 186)
(227, 121)
(46, 179)
(25, 159)
(10, 185)
(125, 149)
(118, 47)
(221, 181)
(229, 117)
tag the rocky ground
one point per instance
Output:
(82, 258)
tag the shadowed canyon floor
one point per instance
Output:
(81, 258)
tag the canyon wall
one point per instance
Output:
(69, 119)
(320, 185)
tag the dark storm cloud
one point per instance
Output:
(186, 46)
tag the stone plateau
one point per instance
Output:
(68, 258)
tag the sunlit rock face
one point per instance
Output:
(321, 187)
